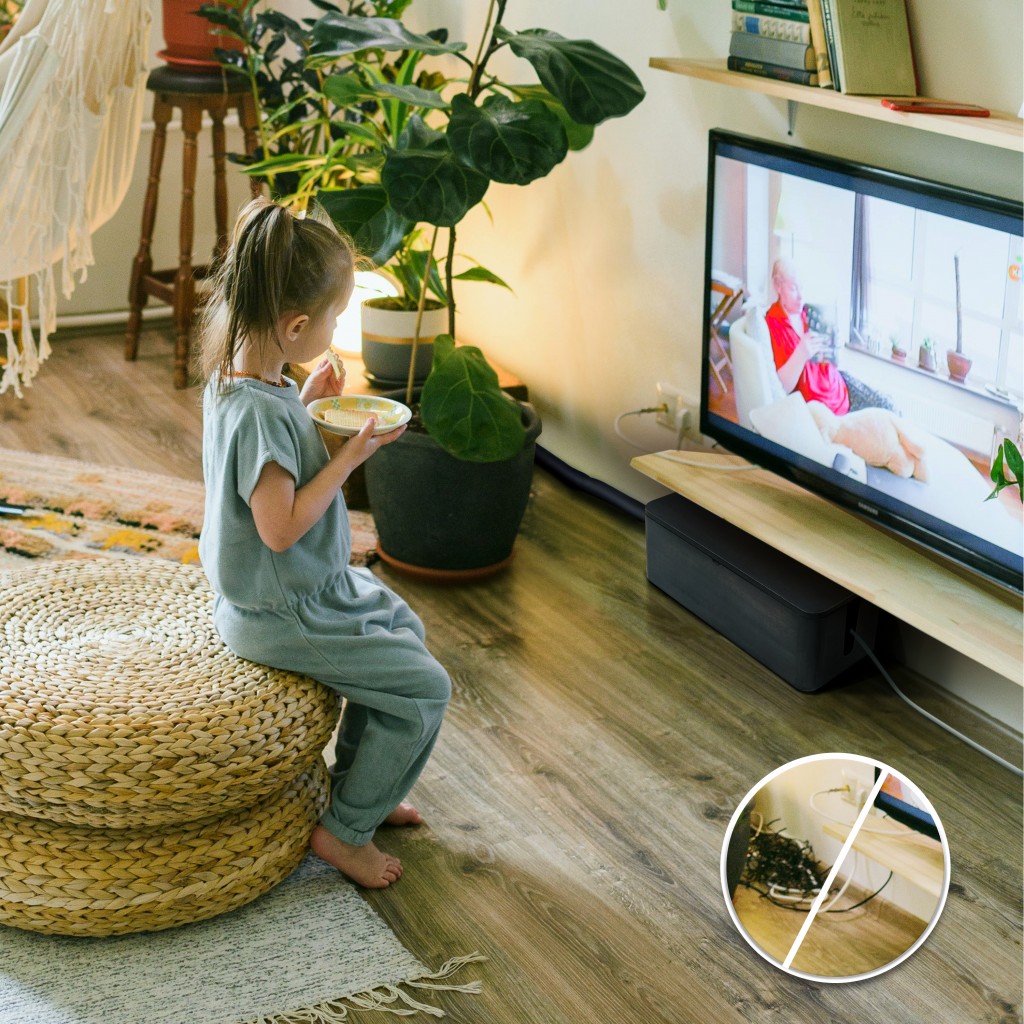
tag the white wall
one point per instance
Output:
(606, 254)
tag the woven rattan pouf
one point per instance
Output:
(132, 741)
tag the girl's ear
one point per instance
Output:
(291, 326)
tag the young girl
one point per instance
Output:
(275, 541)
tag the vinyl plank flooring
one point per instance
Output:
(598, 741)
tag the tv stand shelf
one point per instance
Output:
(1000, 129)
(979, 619)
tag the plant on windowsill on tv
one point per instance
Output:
(1007, 457)
(926, 355)
(899, 353)
(959, 365)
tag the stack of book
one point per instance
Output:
(854, 46)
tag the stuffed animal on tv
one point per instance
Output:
(878, 436)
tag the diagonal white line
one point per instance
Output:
(827, 884)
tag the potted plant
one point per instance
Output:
(899, 353)
(324, 130)
(959, 365)
(449, 497)
(1007, 457)
(926, 355)
(190, 38)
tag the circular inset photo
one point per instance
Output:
(835, 867)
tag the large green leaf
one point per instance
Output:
(424, 180)
(591, 83)
(464, 408)
(413, 95)
(337, 35)
(579, 135)
(514, 143)
(345, 90)
(365, 214)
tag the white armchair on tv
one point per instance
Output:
(755, 381)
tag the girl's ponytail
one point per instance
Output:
(275, 264)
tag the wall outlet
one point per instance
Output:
(676, 414)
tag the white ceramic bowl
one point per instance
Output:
(346, 414)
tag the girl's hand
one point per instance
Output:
(323, 383)
(358, 448)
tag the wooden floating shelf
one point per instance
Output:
(965, 612)
(1005, 131)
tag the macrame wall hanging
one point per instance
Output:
(72, 85)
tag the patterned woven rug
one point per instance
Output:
(85, 510)
(305, 953)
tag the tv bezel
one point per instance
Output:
(975, 553)
(906, 814)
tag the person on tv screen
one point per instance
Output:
(797, 350)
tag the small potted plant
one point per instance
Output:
(899, 353)
(926, 355)
(959, 365)
(1007, 457)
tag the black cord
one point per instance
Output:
(806, 910)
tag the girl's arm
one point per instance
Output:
(284, 514)
(789, 372)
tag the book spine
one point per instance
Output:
(772, 51)
(817, 31)
(773, 28)
(770, 10)
(827, 16)
(768, 70)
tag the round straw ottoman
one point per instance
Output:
(148, 777)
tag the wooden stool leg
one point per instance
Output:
(250, 128)
(184, 286)
(143, 263)
(220, 185)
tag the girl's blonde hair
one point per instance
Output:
(276, 264)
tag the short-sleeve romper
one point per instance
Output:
(307, 610)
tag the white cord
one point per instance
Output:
(842, 821)
(927, 714)
(635, 412)
(846, 884)
(701, 465)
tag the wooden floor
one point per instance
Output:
(599, 739)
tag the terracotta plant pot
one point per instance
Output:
(387, 341)
(959, 366)
(190, 38)
(899, 356)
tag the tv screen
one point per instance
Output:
(906, 805)
(863, 337)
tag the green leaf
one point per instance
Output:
(1013, 458)
(345, 90)
(365, 214)
(424, 180)
(480, 274)
(514, 143)
(414, 96)
(579, 135)
(337, 35)
(591, 83)
(464, 408)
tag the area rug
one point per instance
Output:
(305, 953)
(86, 510)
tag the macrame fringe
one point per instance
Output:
(386, 998)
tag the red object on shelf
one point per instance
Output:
(190, 37)
(921, 105)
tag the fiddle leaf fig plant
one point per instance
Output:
(455, 141)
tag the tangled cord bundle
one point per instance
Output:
(775, 860)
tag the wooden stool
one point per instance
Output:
(195, 93)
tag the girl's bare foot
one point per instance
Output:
(365, 865)
(404, 814)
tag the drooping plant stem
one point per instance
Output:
(419, 318)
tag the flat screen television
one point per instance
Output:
(905, 805)
(833, 292)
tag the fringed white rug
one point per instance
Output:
(306, 952)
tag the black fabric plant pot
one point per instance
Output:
(436, 512)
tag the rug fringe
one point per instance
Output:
(383, 998)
